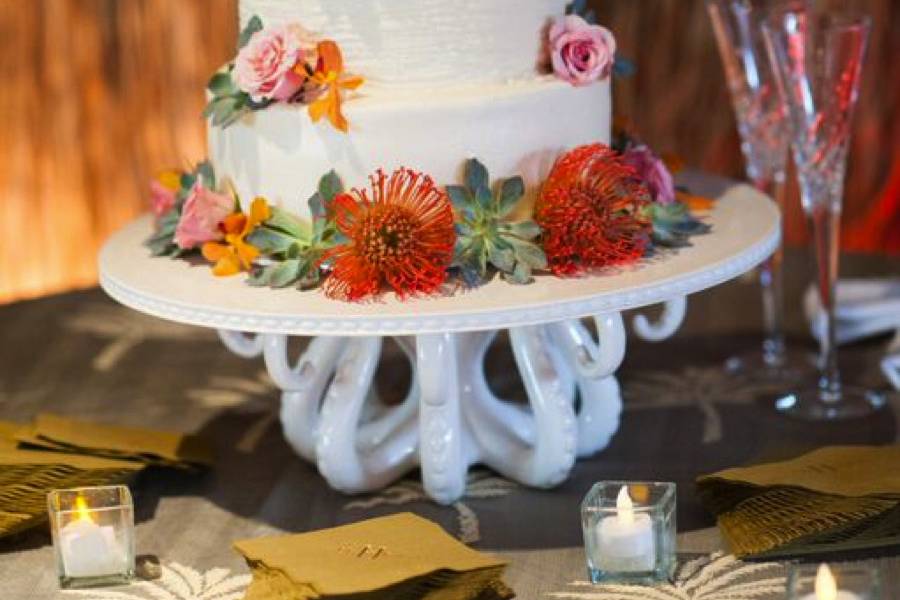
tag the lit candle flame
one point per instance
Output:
(81, 508)
(624, 506)
(826, 586)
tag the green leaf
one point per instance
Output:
(527, 230)
(292, 225)
(277, 275)
(481, 255)
(316, 207)
(224, 111)
(309, 273)
(502, 258)
(459, 196)
(511, 191)
(476, 176)
(521, 275)
(207, 174)
(285, 273)
(529, 253)
(221, 84)
(253, 25)
(159, 247)
(209, 109)
(169, 221)
(484, 199)
(330, 185)
(270, 241)
(460, 249)
(260, 277)
(187, 180)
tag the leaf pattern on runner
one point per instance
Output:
(177, 582)
(718, 576)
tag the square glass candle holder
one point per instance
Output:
(629, 532)
(850, 582)
(93, 535)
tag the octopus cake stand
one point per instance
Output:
(449, 419)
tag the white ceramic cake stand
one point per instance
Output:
(450, 419)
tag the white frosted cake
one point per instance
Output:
(444, 81)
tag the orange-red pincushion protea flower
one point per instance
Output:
(399, 233)
(591, 209)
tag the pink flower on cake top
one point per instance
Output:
(267, 67)
(581, 53)
(203, 212)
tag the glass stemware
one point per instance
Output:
(817, 60)
(761, 123)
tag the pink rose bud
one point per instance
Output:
(264, 68)
(653, 172)
(581, 53)
(162, 199)
(201, 215)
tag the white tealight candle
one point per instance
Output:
(826, 587)
(625, 541)
(89, 549)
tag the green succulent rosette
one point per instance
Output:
(487, 238)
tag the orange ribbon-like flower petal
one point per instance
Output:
(330, 75)
(236, 255)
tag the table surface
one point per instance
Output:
(81, 354)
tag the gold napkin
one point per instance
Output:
(151, 447)
(400, 556)
(27, 475)
(836, 498)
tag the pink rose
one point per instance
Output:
(201, 215)
(653, 172)
(264, 68)
(581, 53)
(162, 199)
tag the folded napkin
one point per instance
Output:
(400, 556)
(27, 475)
(863, 308)
(54, 432)
(836, 498)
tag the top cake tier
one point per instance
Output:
(408, 43)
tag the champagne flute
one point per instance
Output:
(762, 127)
(818, 60)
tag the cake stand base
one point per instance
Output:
(450, 419)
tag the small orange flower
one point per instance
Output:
(170, 179)
(235, 254)
(696, 204)
(329, 74)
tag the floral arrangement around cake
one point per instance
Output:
(601, 206)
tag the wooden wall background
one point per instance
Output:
(97, 95)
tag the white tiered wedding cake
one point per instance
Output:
(443, 165)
